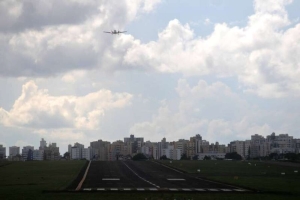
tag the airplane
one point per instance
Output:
(115, 32)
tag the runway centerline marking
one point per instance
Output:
(176, 179)
(110, 179)
(140, 176)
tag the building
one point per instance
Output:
(27, 153)
(87, 153)
(43, 144)
(13, 151)
(282, 143)
(238, 147)
(76, 152)
(99, 150)
(51, 152)
(38, 154)
(2, 152)
(134, 144)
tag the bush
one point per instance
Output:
(139, 156)
(233, 156)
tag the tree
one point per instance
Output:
(139, 156)
(273, 156)
(207, 158)
(163, 157)
(233, 156)
(184, 157)
(195, 157)
(67, 155)
(291, 156)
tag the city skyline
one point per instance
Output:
(281, 143)
(225, 70)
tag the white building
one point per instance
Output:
(38, 154)
(13, 151)
(87, 153)
(2, 152)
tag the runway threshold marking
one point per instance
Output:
(140, 176)
(110, 179)
(176, 179)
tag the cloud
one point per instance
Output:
(28, 14)
(212, 110)
(45, 38)
(37, 109)
(262, 55)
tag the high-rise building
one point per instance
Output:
(38, 154)
(99, 150)
(257, 146)
(2, 152)
(43, 144)
(13, 151)
(27, 152)
(76, 151)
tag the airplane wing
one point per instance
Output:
(106, 32)
(122, 31)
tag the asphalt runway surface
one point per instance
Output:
(146, 176)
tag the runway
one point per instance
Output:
(139, 176)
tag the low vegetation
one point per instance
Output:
(271, 177)
(30, 180)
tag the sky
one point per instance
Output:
(223, 69)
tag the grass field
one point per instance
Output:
(257, 175)
(28, 180)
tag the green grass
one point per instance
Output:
(28, 179)
(258, 176)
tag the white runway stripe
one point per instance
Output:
(176, 179)
(186, 189)
(226, 190)
(114, 189)
(213, 190)
(126, 189)
(199, 189)
(140, 189)
(87, 189)
(152, 189)
(110, 179)
(239, 190)
(173, 189)
(100, 189)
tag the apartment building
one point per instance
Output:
(100, 150)
(13, 151)
(135, 144)
(38, 155)
(2, 152)
(27, 152)
(76, 151)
